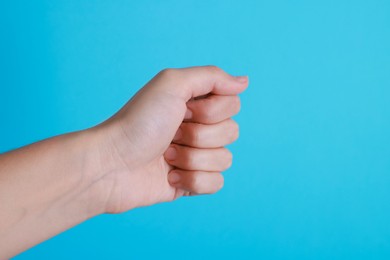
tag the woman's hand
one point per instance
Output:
(167, 141)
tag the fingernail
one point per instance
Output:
(170, 153)
(242, 78)
(173, 177)
(188, 114)
(178, 135)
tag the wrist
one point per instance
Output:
(103, 162)
(90, 156)
(81, 157)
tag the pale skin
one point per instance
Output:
(166, 142)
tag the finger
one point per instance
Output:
(192, 82)
(207, 136)
(212, 109)
(196, 182)
(188, 158)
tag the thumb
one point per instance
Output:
(192, 82)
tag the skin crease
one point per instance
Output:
(166, 142)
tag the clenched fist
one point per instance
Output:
(167, 141)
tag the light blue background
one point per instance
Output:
(311, 178)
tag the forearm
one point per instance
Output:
(45, 188)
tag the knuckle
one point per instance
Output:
(235, 131)
(236, 104)
(167, 73)
(220, 181)
(227, 158)
(214, 69)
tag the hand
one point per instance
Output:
(167, 141)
